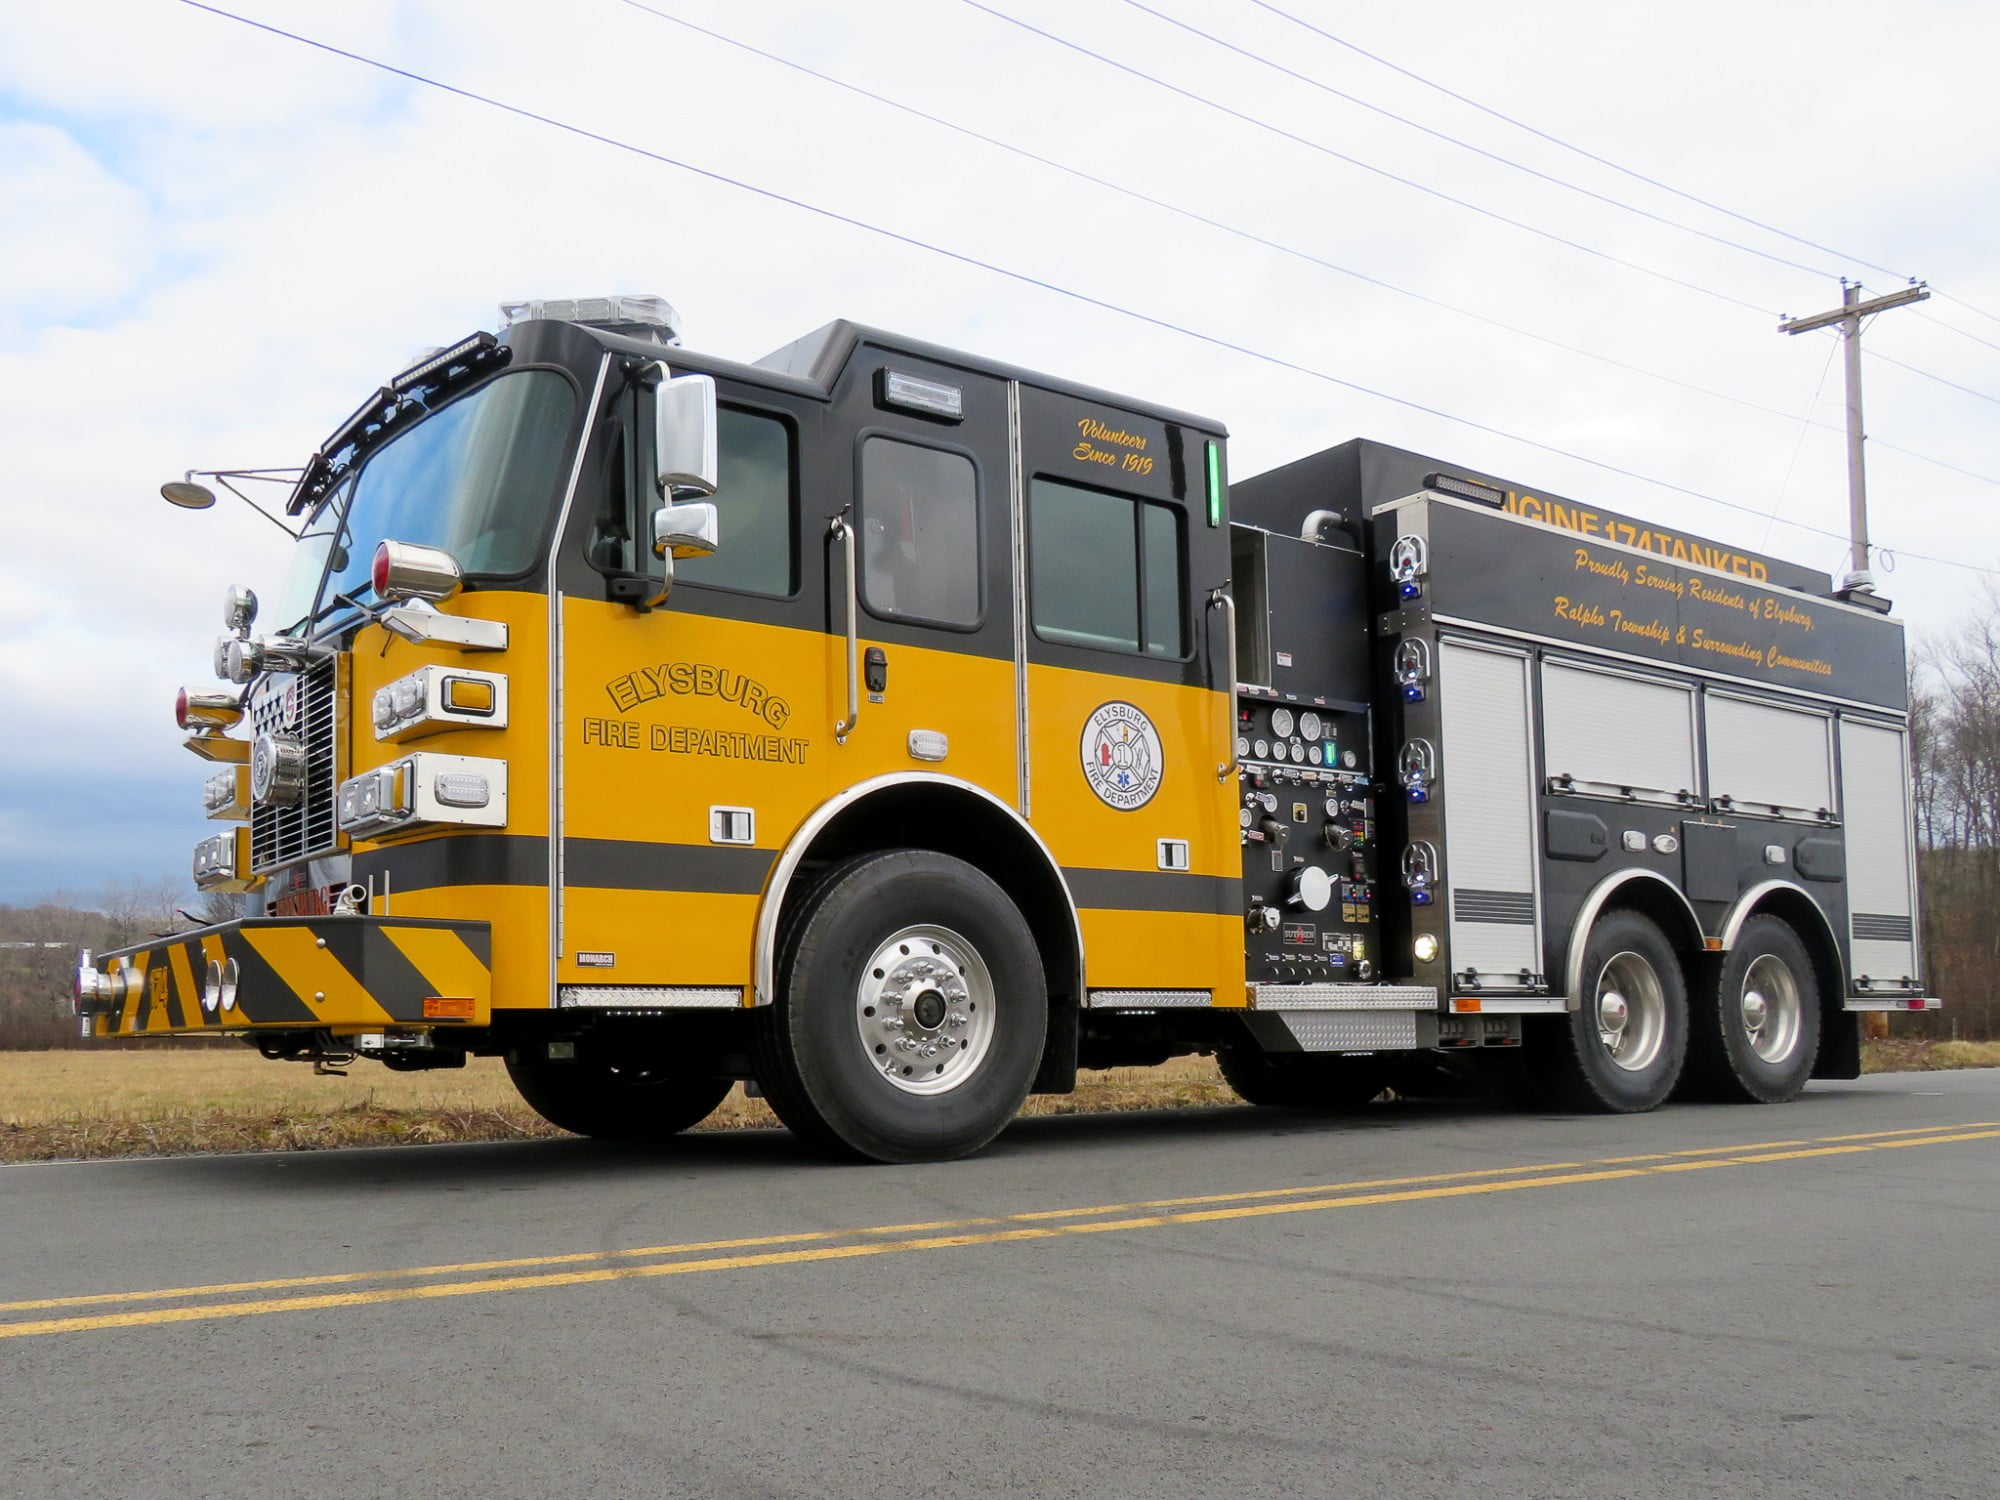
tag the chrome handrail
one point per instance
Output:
(1229, 767)
(845, 727)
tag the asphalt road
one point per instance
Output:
(1424, 1301)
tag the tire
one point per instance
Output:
(1756, 1030)
(615, 1092)
(911, 1011)
(1289, 1080)
(1621, 1050)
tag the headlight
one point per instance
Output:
(435, 698)
(424, 789)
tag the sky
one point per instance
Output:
(1312, 221)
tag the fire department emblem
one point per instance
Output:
(1122, 759)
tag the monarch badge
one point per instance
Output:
(1121, 756)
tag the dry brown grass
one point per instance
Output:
(69, 1105)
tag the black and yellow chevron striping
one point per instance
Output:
(351, 973)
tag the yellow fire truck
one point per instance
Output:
(898, 732)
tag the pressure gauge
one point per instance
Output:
(1348, 759)
(1281, 722)
(1263, 750)
(1244, 816)
(1309, 724)
(1242, 747)
(1270, 801)
(1298, 753)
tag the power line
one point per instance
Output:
(1962, 333)
(1605, 161)
(1556, 140)
(1968, 390)
(1961, 302)
(1194, 216)
(1246, 235)
(1805, 430)
(1493, 156)
(1085, 298)
(1355, 161)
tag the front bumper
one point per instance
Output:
(351, 974)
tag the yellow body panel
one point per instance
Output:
(669, 714)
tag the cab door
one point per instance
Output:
(1127, 698)
(924, 523)
(693, 736)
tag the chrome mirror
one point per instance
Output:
(684, 435)
(689, 530)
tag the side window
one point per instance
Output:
(919, 533)
(753, 506)
(1105, 571)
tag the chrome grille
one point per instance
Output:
(283, 835)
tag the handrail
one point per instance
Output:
(845, 533)
(1229, 767)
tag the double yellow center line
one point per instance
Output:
(530, 1273)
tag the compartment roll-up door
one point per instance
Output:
(1618, 735)
(1881, 900)
(1765, 757)
(1489, 814)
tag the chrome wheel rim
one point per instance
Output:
(924, 1010)
(1770, 1008)
(1631, 1012)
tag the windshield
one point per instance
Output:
(477, 479)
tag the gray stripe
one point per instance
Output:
(1156, 890)
(458, 859)
(629, 865)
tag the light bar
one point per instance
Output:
(1466, 489)
(932, 398)
(459, 353)
(654, 314)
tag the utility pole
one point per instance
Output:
(1860, 579)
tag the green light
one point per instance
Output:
(1215, 483)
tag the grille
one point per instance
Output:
(282, 835)
(1510, 908)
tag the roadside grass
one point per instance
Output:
(69, 1105)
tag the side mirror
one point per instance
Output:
(689, 530)
(684, 425)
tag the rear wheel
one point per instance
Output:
(1756, 1030)
(618, 1090)
(911, 1011)
(1294, 1080)
(1622, 1048)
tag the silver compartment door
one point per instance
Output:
(1487, 774)
(1881, 900)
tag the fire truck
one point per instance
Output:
(898, 732)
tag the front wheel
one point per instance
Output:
(618, 1091)
(1621, 1049)
(911, 1011)
(1756, 1031)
